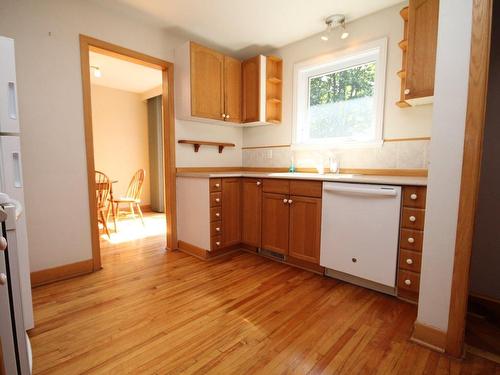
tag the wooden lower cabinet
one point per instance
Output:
(305, 228)
(275, 222)
(251, 211)
(231, 208)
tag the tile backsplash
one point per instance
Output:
(405, 154)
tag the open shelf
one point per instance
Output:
(274, 80)
(197, 144)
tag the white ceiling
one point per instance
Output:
(123, 75)
(243, 26)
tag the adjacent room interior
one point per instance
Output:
(127, 126)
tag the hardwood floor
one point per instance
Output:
(151, 312)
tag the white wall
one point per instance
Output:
(446, 154)
(398, 123)
(51, 112)
(120, 132)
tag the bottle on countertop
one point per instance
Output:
(334, 164)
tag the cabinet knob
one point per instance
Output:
(290, 201)
(217, 229)
(217, 185)
(407, 91)
(227, 116)
(409, 261)
(408, 282)
(217, 214)
(217, 243)
(354, 260)
(411, 240)
(3, 279)
(218, 200)
(413, 219)
(223, 115)
(285, 201)
(258, 183)
(413, 197)
(3, 243)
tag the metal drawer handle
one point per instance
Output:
(218, 200)
(217, 229)
(411, 240)
(3, 243)
(258, 183)
(413, 196)
(3, 279)
(285, 201)
(409, 261)
(413, 219)
(217, 185)
(217, 214)
(408, 282)
(217, 243)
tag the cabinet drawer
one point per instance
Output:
(306, 188)
(414, 196)
(411, 239)
(215, 184)
(276, 186)
(410, 260)
(408, 280)
(215, 228)
(215, 199)
(215, 213)
(216, 242)
(413, 218)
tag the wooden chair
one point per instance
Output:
(133, 195)
(103, 189)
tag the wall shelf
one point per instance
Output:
(197, 144)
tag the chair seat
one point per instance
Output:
(127, 200)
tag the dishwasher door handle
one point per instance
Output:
(388, 192)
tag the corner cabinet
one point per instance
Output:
(216, 88)
(419, 46)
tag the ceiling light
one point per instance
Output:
(333, 22)
(97, 71)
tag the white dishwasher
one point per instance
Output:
(359, 233)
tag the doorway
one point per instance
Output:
(129, 134)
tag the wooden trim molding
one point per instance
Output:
(429, 336)
(208, 169)
(204, 254)
(88, 44)
(61, 272)
(471, 167)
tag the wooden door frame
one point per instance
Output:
(471, 168)
(88, 44)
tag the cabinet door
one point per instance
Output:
(275, 222)
(305, 228)
(207, 80)
(250, 72)
(232, 89)
(422, 43)
(251, 211)
(231, 208)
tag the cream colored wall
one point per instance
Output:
(446, 153)
(51, 113)
(398, 123)
(120, 131)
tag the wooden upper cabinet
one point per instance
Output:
(419, 46)
(275, 222)
(231, 208)
(207, 82)
(422, 44)
(305, 228)
(251, 211)
(250, 70)
(232, 89)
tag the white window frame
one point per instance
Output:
(338, 60)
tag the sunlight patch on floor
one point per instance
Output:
(130, 229)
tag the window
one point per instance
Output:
(339, 98)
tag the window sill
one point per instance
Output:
(335, 146)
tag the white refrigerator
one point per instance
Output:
(11, 178)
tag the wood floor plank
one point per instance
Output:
(152, 312)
